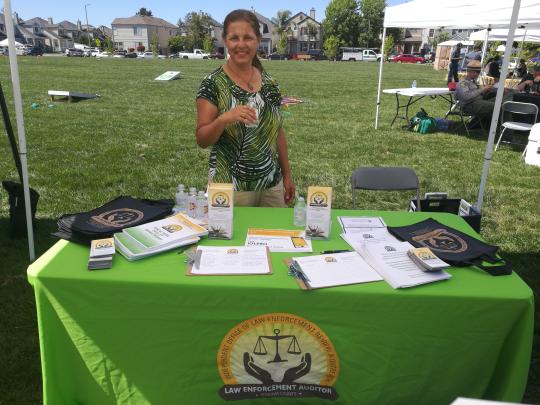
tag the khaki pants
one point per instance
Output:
(271, 197)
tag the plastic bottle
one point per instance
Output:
(413, 84)
(300, 212)
(252, 102)
(199, 205)
(180, 199)
(192, 202)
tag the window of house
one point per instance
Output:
(137, 30)
(36, 30)
(60, 31)
(114, 32)
(454, 32)
(431, 33)
(30, 41)
(294, 27)
(301, 30)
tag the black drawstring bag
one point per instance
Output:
(452, 246)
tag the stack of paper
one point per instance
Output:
(333, 270)
(279, 240)
(391, 261)
(230, 260)
(158, 236)
(101, 254)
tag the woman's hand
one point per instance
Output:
(242, 114)
(290, 189)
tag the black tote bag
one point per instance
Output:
(452, 246)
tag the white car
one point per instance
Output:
(145, 55)
(105, 54)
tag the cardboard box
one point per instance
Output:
(453, 206)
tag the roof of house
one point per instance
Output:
(68, 25)
(303, 19)
(265, 22)
(36, 21)
(143, 20)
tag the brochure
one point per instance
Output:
(279, 240)
(230, 260)
(132, 250)
(333, 270)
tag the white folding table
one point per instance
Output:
(415, 94)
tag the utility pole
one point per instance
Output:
(87, 29)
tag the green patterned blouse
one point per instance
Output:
(246, 157)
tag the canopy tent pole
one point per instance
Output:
(380, 80)
(514, 73)
(498, 102)
(484, 49)
(20, 123)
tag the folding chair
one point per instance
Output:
(523, 109)
(385, 178)
(465, 118)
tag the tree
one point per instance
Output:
(154, 44)
(372, 17)
(281, 46)
(343, 21)
(208, 44)
(280, 19)
(437, 39)
(196, 26)
(388, 45)
(108, 44)
(176, 43)
(144, 12)
(331, 45)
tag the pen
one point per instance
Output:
(325, 252)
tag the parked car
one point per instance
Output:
(408, 58)
(94, 52)
(216, 55)
(119, 54)
(317, 54)
(196, 54)
(276, 56)
(105, 54)
(145, 55)
(23, 50)
(74, 52)
(35, 51)
(131, 55)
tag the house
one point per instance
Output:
(304, 32)
(137, 31)
(268, 34)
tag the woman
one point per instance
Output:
(249, 148)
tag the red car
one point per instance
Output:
(408, 58)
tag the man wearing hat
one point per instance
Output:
(471, 96)
(454, 64)
(530, 82)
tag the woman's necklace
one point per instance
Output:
(247, 82)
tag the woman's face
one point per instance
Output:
(241, 42)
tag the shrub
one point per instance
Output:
(140, 48)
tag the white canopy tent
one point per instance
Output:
(465, 14)
(500, 34)
(5, 42)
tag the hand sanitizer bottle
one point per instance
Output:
(192, 202)
(300, 212)
(199, 206)
(180, 200)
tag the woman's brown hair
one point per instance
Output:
(251, 19)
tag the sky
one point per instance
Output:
(103, 12)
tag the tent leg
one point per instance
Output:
(20, 123)
(380, 80)
(498, 102)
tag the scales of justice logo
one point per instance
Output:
(277, 355)
(119, 217)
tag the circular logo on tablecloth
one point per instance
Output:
(277, 355)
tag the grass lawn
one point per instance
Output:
(138, 140)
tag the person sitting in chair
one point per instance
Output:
(530, 83)
(473, 98)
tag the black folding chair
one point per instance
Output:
(386, 179)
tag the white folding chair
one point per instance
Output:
(523, 109)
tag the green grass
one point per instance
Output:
(138, 139)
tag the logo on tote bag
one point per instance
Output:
(277, 355)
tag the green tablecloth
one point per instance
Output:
(144, 332)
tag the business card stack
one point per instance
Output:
(101, 254)
(426, 259)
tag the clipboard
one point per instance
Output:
(197, 258)
(299, 281)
